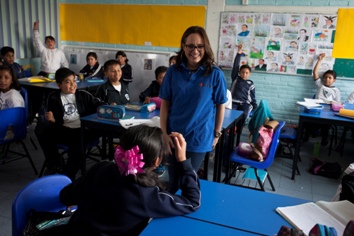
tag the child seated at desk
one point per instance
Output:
(326, 92)
(93, 67)
(8, 59)
(154, 89)
(113, 91)
(62, 123)
(119, 198)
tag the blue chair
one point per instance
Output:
(13, 129)
(238, 161)
(42, 194)
(24, 94)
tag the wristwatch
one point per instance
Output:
(217, 134)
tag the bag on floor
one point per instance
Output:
(261, 147)
(330, 170)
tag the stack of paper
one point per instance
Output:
(154, 121)
(309, 104)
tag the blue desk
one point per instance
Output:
(328, 117)
(177, 226)
(241, 208)
(37, 93)
(229, 123)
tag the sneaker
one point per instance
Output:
(160, 171)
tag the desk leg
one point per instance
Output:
(206, 165)
(83, 150)
(297, 147)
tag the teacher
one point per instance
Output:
(193, 93)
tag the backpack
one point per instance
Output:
(327, 169)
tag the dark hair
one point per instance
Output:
(109, 63)
(245, 25)
(151, 144)
(247, 67)
(15, 84)
(121, 53)
(174, 57)
(331, 72)
(6, 49)
(62, 73)
(49, 37)
(91, 54)
(303, 30)
(208, 59)
(159, 70)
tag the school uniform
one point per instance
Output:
(17, 68)
(11, 98)
(127, 74)
(327, 93)
(110, 203)
(107, 93)
(94, 71)
(152, 91)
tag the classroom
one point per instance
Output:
(149, 32)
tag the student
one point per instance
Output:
(7, 56)
(244, 31)
(172, 60)
(93, 67)
(154, 88)
(62, 123)
(242, 89)
(127, 71)
(9, 89)
(113, 91)
(117, 198)
(325, 91)
(193, 94)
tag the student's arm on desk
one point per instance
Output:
(305, 216)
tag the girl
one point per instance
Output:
(193, 93)
(9, 89)
(119, 198)
(127, 71)
(93, 68)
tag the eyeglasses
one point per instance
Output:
(192, 47)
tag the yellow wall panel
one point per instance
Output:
(343, 46)
(128, 24)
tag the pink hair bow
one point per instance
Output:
(130, 161)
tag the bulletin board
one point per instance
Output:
(149, 25)
(287, 43)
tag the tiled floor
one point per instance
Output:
(14, 175)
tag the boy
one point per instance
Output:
(7, 56)
(154, 88)
(326, 92)
(113, 91)
(62, 123)
(51, 57)
(242, 89)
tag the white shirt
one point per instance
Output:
(51, 59)
(350, 98)
(11, 98)
(327, 93)
(71, 115)
(228, 104)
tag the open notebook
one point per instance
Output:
(307, 215)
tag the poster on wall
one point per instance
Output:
(277, 42)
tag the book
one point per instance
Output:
(305, 216)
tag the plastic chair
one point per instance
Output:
(88, 154)
(24, 94)
(41, 195)
(238, 161)
(287, 138)
(15, 119)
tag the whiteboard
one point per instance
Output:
(142, 75)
